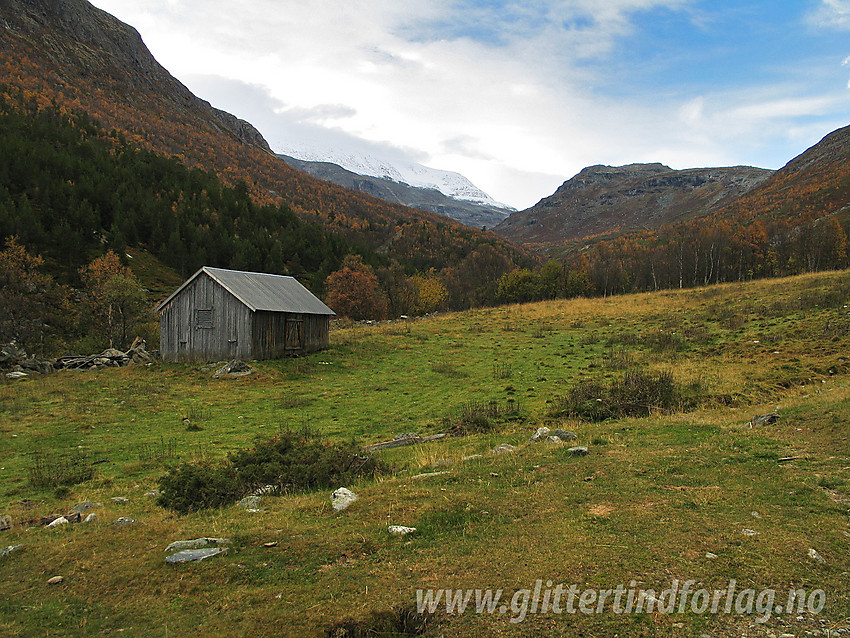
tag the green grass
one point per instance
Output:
(650, 499)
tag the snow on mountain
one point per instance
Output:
(450, 184)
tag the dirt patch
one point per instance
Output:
(601, 509)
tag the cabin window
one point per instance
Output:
(204, 319)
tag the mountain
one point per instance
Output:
(813, 185)
(74, 57)
(77, 36)
(449, 183)
(607, 199)
(797, 220)
(454, 196)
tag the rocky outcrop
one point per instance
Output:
(607, 199)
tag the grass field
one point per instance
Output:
(654, 495)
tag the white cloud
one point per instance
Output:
(499, 91)
(832, 13)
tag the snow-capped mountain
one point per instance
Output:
(450, 184)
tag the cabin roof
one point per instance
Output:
(261, 291)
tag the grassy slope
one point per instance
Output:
(652, 497)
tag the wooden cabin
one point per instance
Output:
(222, 314)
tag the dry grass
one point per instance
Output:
(647, 503)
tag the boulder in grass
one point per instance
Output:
(540, 434)
(79, 508)
(764, 419)
(250, 502)
(194, 555)
(5, 551)
(400, 530)
(342, 498)
(564, 435)
(578, 450)
(503, 448)
(197, 543)
(235, 368)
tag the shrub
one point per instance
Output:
(399, 621)
(290, 462)
(296, 463)
(191, 487)
(637, 393)
(479, 417)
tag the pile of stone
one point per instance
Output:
(14, 357)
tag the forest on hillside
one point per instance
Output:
(69, 191)
(72, 194)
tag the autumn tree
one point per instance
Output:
(430, 293)
(353, 291)
(520, 286)
(33, 308)
(116, 300)
(401, 295)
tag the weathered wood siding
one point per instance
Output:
(278, 334)
(205, 323)
(316, 332)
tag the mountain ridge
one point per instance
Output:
(470, 213)
(603, 199)
(94, 40)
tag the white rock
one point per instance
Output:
(540, 434)
(58, 521)
(194, 555)
(710, 555)
(749, 532)
(815, 556)
(91, 518)
(5, 551)
(501, 449)
(342, 498)
(196, 543)
(55, 580)
(400, 530)
(16, 375)
(250, 502)
(427, 474)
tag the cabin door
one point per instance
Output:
(294, 334)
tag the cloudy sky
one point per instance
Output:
(517, 95)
